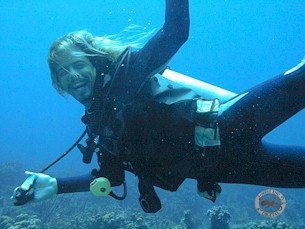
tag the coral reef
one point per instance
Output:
(219, 217)
(82, 210)
(22, 221)
(272, 224)
(187, 220)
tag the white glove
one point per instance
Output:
(36, 187)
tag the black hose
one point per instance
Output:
(65, 153)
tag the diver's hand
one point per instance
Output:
(36, 187)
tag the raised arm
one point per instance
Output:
(161, 47)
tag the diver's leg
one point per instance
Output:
(245, 120)
(259, 110)
(270, 165)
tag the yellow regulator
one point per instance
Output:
(100, 186)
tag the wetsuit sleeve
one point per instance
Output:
(110, 168)
(163, 45)
(74, 184)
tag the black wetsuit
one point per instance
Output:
(135, 71)
(149, 131)
(245, 158)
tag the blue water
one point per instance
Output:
(233, 44)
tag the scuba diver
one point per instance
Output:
(165, 127)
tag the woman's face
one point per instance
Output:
(76, 75)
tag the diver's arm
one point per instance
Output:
(162, 46)
(40, 186)
(74, 184)
(110, 168)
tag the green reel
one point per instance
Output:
(100, 186)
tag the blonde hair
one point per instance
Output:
(100, 50)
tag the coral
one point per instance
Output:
(219, 217)
(84, 211)
(187, 220)
(267, 225)
(274, 225)
(114, 219)
(22, 221)
(6, 221)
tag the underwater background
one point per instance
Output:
(233, 44)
